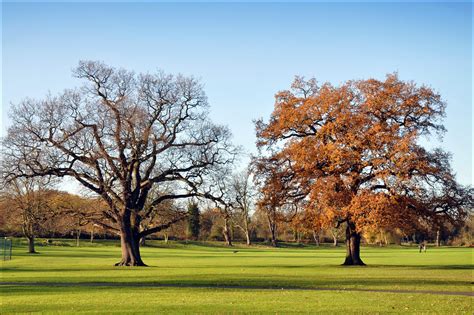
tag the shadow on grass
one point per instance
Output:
(390, 284)
(428, 267)
(63, 255)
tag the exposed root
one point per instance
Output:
(350, 262)
(130, 264)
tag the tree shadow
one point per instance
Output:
(428, 267)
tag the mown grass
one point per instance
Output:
(211, 265)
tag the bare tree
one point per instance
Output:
(278, 200)
(30, 206)
(119, 135)
(227, 230)
(243, 195)
(222, 208)
(78, 211)
(221, 195)
(336, 233)
(157, 214)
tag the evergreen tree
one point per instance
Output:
(194, 224)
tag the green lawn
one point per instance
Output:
(201, 268)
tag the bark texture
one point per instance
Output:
(130, 244)
(273, 237)
(31, 245)
(352, 246)
(226, 232)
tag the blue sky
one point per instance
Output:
(244, 52)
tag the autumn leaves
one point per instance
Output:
(350, 154)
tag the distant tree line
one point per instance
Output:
(57, 214)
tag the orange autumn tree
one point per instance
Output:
(353, 151)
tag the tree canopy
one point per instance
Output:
(119, 135)
(353, 151)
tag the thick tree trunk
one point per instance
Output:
(130, 244)
(352, 246)
(226, 232)
(31, 245)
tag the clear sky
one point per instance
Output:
(244, 52)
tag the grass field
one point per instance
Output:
(199, 278)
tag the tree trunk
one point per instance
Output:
(31, 245)
(247, 236)
(352, 246)
(273, 234)
(226, 232)
(438, 240)
(334, 243)
(272, 227)
(316, 237)
(247, 231)
(78, 236)
(130, 244)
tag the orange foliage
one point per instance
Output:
(351, 154)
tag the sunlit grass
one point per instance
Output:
(211, 265)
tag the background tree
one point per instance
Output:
(225, 211)
(464, 236)
(159, 214)
(208, 220)
(119, 135)
(28, 206)
(223, 196)
(77, 211)
(336, 233)
(194, 222)
(271, 202)
(354, 152)
(277, 194)
(243, 195)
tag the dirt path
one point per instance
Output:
(164, 285)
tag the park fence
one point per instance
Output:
(6, 248)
